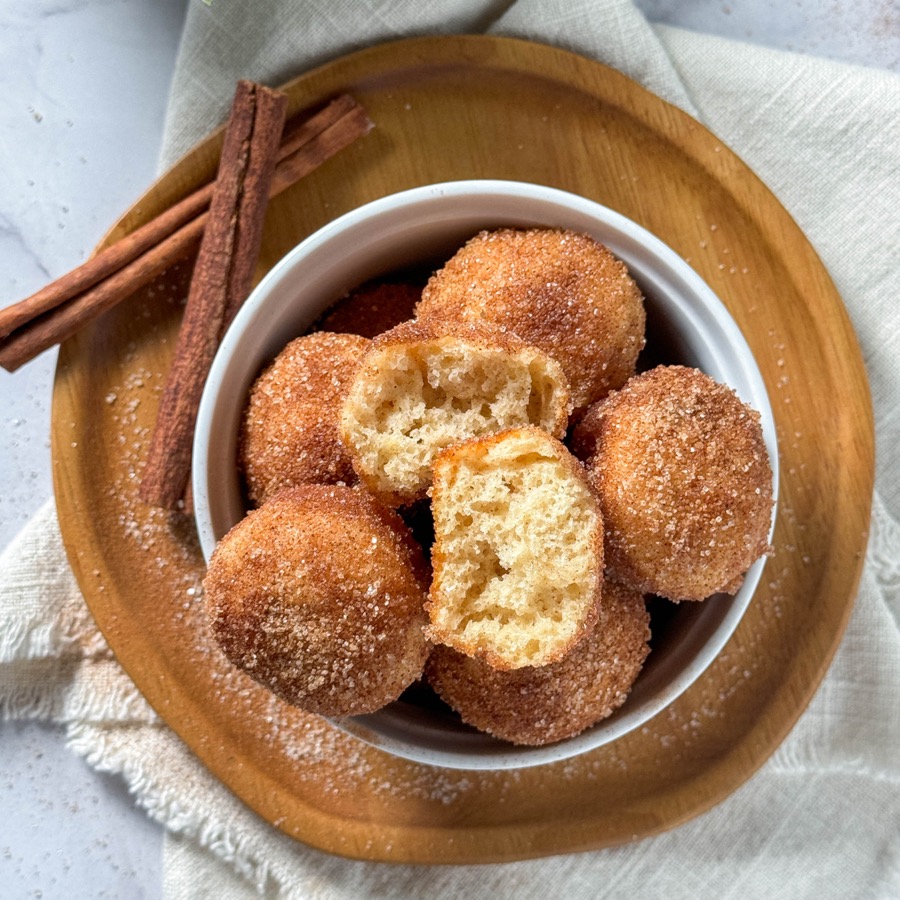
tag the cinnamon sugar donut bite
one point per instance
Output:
(319, 595)
(559, 290)
(544, 704)
(426, 386)
(684, 480)
(290, 427)
(518, 551)
(372, 309)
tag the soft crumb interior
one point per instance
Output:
(518, 538)
(429, 396)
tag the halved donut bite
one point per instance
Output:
(543, 704)
(290, 427)
(561, 291)
(426, 386)
(319, 595)
(684, 480)
(518, 551)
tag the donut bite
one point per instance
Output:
(560, 291)
(319, 595)
(544, 704)
(290, 431)
(423, 387)
(518, 552)
(372, 309)
(684, 481)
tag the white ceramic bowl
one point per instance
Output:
(686, 323)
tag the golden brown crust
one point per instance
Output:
(518, 552)
(684, 480)
(425, 385)
(372, 309)
(479, 334)
(290, 429)
(319, 595)
(558, 290)
(541, 705)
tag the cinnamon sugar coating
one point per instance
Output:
(290, 429)
(319, 595)
(684, 480)
(559, 290)
(543, 704)
(372, 309)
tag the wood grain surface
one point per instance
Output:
(469, 107)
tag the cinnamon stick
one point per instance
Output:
(331, 140)
(60, 323)
(39, 324)
(106, 263)
(147, 236)
(222, 278)
(301, 130)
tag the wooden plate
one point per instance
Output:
(464, 107)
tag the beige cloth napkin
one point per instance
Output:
(822, 818)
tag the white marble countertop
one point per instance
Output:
(83, 89)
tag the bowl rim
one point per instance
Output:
(636, 246)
